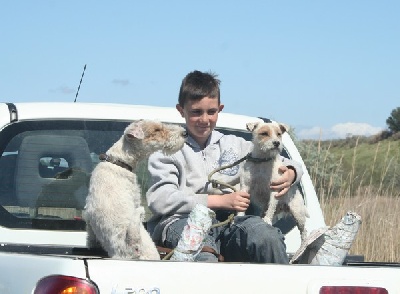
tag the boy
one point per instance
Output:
(180, 181)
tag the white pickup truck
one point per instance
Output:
(48, 151)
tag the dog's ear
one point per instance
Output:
(283, 127)
(251, 126)
(135, 131)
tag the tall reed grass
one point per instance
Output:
(379, 205)
(378, 238)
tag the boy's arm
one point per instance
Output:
(166, 195)
(296, 167)
(291, 173)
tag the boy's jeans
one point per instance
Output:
(247, 239)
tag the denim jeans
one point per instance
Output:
(247, 239)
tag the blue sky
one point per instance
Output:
(322, 67)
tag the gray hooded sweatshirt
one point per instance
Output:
(180, 181)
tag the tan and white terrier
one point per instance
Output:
(113, 212)
(262, 168)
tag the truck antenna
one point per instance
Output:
(83, 73)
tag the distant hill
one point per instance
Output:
(345, 165)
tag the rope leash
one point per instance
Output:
(215, 184)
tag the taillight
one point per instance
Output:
(58, 284)
(352, 290)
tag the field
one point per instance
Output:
(378, 238)
(362, 176)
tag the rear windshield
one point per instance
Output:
(45, 169)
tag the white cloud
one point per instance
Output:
(338, 131)
(344, 130)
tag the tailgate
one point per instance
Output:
(117, 277)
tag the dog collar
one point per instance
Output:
(110, 159)
(257, 160)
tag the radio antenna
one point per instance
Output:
(83, 73)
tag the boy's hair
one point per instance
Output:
(197, 85)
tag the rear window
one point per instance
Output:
(45, 169)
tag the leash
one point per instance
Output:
(167, 252)
(216, 183)
(111, 159)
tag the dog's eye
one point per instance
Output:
(264, 134)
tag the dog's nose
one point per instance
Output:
(276, 144)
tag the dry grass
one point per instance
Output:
(379, 206)
(378, 238)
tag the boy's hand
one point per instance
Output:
(238, 201)
(283, 184)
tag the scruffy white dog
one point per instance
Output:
(113, 211)
(262, 167)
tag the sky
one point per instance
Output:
(328, 69)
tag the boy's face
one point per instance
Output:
(201, 117)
